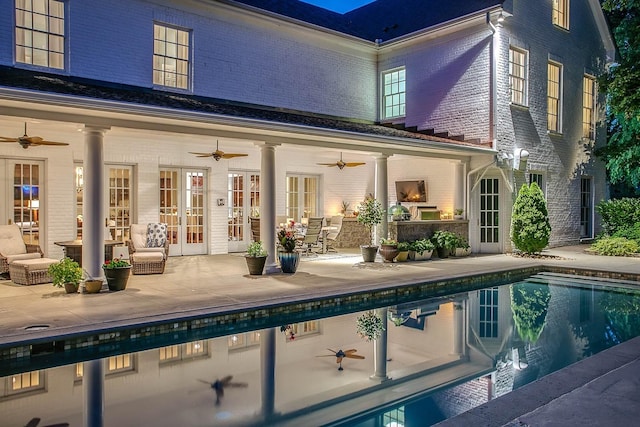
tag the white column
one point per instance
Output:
(458, 187)
(268, 204)
(380, 350)
(92, 202)
(382, 195)
(268, 370)
(93, 392)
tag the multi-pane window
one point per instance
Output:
(488, 313)
(518, 76)
(190, 350)
(239, 341)
(538, 178)
(25, 382)
(554, 97)
(40, 32)
(560, 16)
(306, 328)
(586, 207)
(394, 87)
(588, 107)
(170, 57)
(302, 195)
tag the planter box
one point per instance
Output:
(460, 252)
(425, 255)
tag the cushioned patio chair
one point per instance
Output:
(255, 228)
(311, 237)
(13, 247)
(148, 248)
(332, 235)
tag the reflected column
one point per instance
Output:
(92, 203)
(458, 328)
(93, 393)
(268, 204)
(268, 370)
(380, 350)
(382, 195)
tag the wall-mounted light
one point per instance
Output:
(500, 18)
(79, 178)
(520, 158)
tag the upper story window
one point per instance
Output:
(40, 33)
(170, 57)
(561, 13)
(538, 178)
(518, 75)
(588, 107)
(394, 86)
(554, 97)
(23, 383)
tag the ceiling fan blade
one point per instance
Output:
(339, 359)
(352, 164)
(7, 139)
(201, 154)
(230, 155)
(203, 381)
(31, 139)
(43, 142)
(327, 164)
(354, 356)
(327, 355)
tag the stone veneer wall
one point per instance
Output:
(407, 231)
(352, 234)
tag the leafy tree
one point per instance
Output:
(529, 304)
(621, 83)
(530, 228)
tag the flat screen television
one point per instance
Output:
(411, 191)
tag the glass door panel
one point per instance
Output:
(169, 199)
(243, 201)
(489, 215)
(26, 207)
(119, 182)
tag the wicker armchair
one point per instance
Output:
(13, 248)
(146, 258)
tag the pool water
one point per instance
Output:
(444, 356)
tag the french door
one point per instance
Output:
(489, 215)
(586, 207)
(21, 186)
(182, 207)
(243, 201)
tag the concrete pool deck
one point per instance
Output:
(220, 283)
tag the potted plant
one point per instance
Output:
(457, 213)
(256, 257)
(445, 242)
(462, 248)
(91, 285)
(421, 249)
(370, 214)
(117, 273)
(344, 209)
(403, 251)
(369, 325)
(287, 254)
(388, 249)
(66, 273)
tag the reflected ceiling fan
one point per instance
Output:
(219, 385)
(339, 355)
(218, 154)
(341, 164)
(26, 141)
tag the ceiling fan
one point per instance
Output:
(218, 154)
(341, 164)
(26, 141)
(339, 355)
(219, 384)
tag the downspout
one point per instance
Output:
(493, 83)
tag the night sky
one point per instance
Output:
(340, 6)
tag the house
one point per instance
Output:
(472, 97)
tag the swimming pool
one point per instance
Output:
(454, 350)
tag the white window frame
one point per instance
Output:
(540, 178)
(589, 105)
(40, 33)
(243, 341)
(171, 69)
(519, 73)
(183, 352)
(554, 98)
(299, 196)
(39, 385)
(560, 13)
(394, 93)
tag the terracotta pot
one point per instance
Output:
(388, 252)
(117, 278)
(289, 261)
(255, 264)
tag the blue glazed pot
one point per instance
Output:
(289, 261)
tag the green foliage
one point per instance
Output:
(462, 243)
(529, 304)
(530, 228)
(116, 263)
(370, 213)
(65, 271)
(615, 246)
(421, 245)
(403, 246)
(445, 239)
(618, 213)
(369, 325)
(256, 249)
(621, 83)
(630, 232)
(384, 241)
(287, 240)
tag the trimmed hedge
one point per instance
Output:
(615, 246)
(530, 228)
(618, 213)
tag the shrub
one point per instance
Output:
(403, 246)
(421, 245)
(629, 232)
(530, 228)
(618, 213)
(256, 249)
(615, 246)
(445, 239)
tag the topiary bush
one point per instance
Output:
(629, 232)
(615, 246)
(530, 228)
(618, 213)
